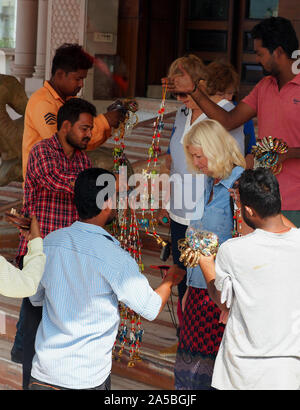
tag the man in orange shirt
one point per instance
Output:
(70, 66)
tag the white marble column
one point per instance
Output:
(26, 39)
(41, 40)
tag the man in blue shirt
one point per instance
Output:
(86, 274)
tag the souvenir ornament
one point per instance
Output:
(126, 230)
(129, 107)
(197, 243)
(266, 153)
(150, 175)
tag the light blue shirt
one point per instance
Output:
(217, 218)
(85, 276)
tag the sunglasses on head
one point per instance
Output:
(181, 95)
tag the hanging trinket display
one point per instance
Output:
(126, 230)
(196, 243)
(266, 153)
(150, 175)
(130, 107)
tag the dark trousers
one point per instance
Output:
(38, 385)
(28, 323)
(178, 232)
(31, 319)
(18, 342)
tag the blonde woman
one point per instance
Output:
(179, 216)
(221, 82)
(212, 151)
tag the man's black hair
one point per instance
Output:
(71, 58)
(87, 191)
(259, 189)
(72, 109)
(275, 32)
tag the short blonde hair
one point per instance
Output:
(218, 146)
(192, 64)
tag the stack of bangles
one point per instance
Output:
(195, 244)
(266, 153)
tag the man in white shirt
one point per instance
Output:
(258, 277)
(86, 273)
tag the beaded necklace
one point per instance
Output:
(150, 175)
(124, 129)
(126, 230)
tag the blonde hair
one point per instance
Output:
(218, 146)
(192, 64)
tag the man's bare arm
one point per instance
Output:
(207, 265)
(174, 276)
(230, 120)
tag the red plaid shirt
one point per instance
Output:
(47, 190)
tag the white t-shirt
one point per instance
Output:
(260, 348)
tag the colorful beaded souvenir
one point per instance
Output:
(124, 129)
(266, 153)
(150, 174)
(126, 230)
(197, 243)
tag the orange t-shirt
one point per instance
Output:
(40, 121)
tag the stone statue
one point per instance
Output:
(12, 93)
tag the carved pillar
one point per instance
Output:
(26, 33)
(66, 24)
(41, 39)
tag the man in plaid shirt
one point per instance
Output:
(48, 189)
(53, 166)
